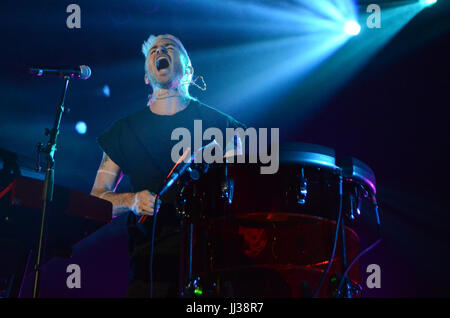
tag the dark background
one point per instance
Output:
(392, 114)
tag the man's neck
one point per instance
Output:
(167, 102)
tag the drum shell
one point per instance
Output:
(294, 247)
(253, 192)
(262, 228)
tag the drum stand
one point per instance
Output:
(346, 289)
(191, 288)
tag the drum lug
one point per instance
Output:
(355, 204)
(302, 187)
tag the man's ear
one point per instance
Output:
(189, 70)
(146, 80)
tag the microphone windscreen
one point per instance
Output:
(85, 72)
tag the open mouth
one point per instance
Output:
(162, 63)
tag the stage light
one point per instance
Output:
(106, 91)
(290, 42)
(427, 2)
(81, 127)
(352, 28)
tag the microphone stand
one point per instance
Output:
(47, 192)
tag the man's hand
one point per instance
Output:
(143, 203)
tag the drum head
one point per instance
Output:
(307, 154)
(294, 153)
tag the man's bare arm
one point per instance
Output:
(108, 176)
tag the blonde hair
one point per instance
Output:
(183, 87)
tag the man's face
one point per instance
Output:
(164, 65)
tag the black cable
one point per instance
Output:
(156, 208)
(343, 278)
(341, 283)
(338, 222)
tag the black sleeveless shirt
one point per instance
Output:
(140, 144)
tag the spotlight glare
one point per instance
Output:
(352, 28)
(427, 2)
(106, 91)
(81, 127)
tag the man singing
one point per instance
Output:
(139, 146)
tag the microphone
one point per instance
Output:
(82, 72)
(186, 166)
(174, 177)
(175, 174)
